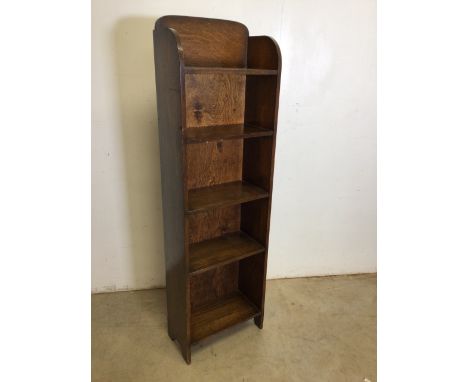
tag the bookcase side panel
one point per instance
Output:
(261, 109)
(169, 65)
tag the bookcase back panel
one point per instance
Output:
(210, 224)
(213, 163)
(214, 284)
(214, 99)
(210, 42)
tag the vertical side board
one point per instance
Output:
(170, 87)
(261, 109)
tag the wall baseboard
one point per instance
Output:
(112, 289)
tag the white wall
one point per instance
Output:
(324, 200)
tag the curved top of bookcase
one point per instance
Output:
(170, 21)
(208, 42)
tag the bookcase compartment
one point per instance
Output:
(225, 296)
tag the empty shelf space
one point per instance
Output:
(221, 314)
(226, 194)
(220, 70)
(224, 132)
(222, 250)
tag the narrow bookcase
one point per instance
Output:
(217, 95)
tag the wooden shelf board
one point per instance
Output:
(222, 250)
(224, 132)
(226, 194)
(221, 70)
(222, 314)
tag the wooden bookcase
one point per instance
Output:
(217, 95)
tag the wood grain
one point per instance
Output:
(257, 162)
(213, 163)
(224, 132)
(209, 286)
(238, 71)
(210, 42)
(218, 96)
(214, 99)
(226, 194)
(261, 108)
(168, 61)
(222, 250)
(221, 314)
(213, 223)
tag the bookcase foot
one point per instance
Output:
(186, 352)
(259, 321)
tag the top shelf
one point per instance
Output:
(220, 70)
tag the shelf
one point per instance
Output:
(221, 314)
(222, 250)
(220, 70)
(224, 132)
(226, 194)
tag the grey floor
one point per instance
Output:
(315, 329)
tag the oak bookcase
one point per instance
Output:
(217, 96)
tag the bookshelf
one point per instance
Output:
(217, 95)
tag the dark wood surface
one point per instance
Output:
(241, 71)
(213, 163)
(214, 284)
(210, 42)
(218, 93)
(222, 250)
(214, 99)
(213, 223)
(221, 314)
(168, 61)
(224, 132)
(261, 108)
(226, 194)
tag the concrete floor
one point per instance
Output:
(315, 329)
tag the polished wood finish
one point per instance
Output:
(213, 223)
(218, 93)
(214, 99)
(168, 61)
(222, 250)
(210, 42)
(221, 314)
(214, 284)
(213, 163)
(226, 194)
(242, 71)
(225, 132)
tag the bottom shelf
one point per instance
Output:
(221, 314)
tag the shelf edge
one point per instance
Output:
(238, 71)
(262, 132)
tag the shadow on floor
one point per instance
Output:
(315, 329)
